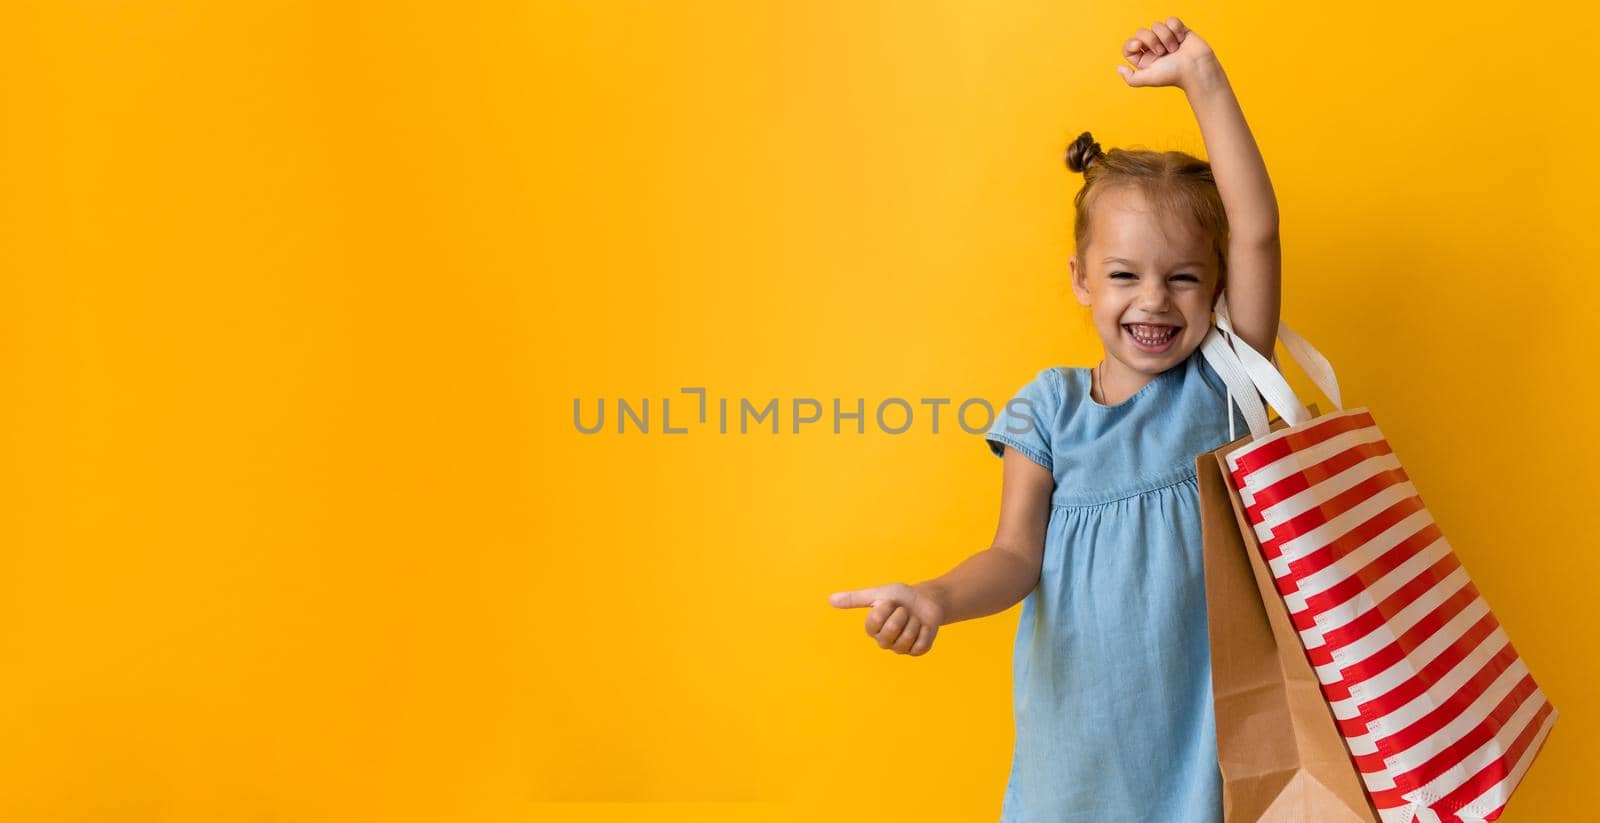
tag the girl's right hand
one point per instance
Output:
(903, 618)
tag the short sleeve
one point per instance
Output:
(1024, 423)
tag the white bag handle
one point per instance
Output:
(1264, 376)
(1225, 363)
(1300, 350)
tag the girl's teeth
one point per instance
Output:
(1152, 335)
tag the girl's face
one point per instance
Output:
(1149, 283)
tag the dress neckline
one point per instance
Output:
(1086, 377)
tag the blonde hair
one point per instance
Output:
(1176, 184)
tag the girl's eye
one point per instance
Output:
(1123, 275)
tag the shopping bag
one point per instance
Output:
(1281, 755)
(1441, 717)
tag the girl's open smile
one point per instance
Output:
(1152, 338)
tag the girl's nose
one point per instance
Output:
(1155, 299)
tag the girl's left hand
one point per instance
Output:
(1162, 55)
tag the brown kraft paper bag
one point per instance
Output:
(1281, 756)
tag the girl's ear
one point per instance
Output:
(1080, 284)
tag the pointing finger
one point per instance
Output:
(853, 599)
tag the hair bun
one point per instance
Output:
(1082, 152)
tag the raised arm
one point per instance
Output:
(1168, 53)
(1255, 257)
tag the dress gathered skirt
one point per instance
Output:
(1111, 669)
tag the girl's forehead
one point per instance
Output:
(1125, 226)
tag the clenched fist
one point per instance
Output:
(1163, 55)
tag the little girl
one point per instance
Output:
(1099, 532)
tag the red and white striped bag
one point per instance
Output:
(1440, 714)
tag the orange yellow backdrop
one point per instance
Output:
(299, 298)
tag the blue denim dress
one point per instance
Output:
(1112, 669)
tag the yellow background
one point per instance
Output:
(298, 298)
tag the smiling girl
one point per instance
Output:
(1099, 533)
